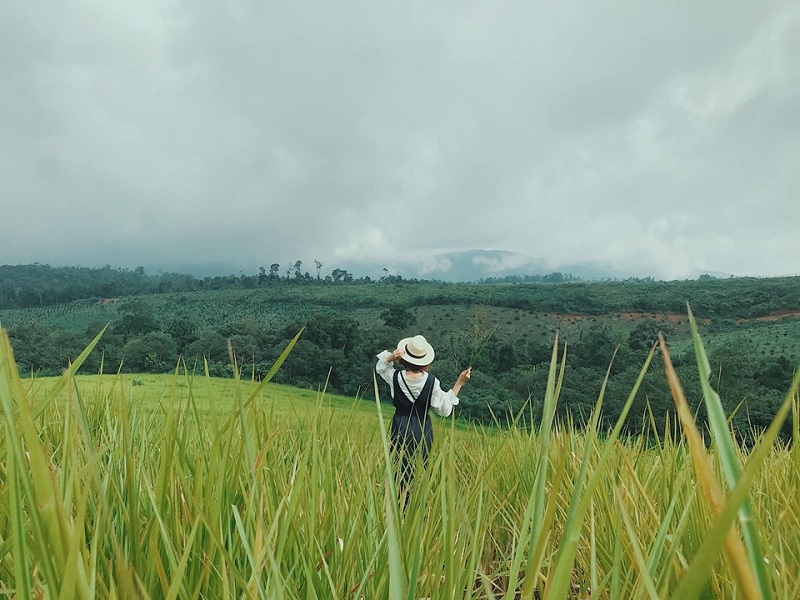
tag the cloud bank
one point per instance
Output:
(659, 138)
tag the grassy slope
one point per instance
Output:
(214, 396)
(215, 399)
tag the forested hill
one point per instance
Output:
(751, 328)
(31, 286)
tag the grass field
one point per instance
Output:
(213, 397)
(193, 487)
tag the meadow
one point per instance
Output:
(189, 486)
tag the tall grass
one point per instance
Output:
(106, 496)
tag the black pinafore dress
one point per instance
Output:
(411, 431)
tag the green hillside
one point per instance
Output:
(505, 331)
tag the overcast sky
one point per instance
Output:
(656, 137)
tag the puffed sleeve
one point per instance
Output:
(385, 369)
(441, 401)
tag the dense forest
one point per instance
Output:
(504, 329)
(37, 285)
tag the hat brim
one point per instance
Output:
(423, 360)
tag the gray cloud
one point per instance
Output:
(656, 137)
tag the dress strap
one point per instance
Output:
(408, 389)
(404, 399)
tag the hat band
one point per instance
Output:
(412, 355)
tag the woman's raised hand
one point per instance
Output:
(464, 376)
(396, 355)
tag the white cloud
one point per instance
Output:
(658, 137)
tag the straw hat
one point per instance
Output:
(417, 350)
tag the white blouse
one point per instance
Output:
(442, 402)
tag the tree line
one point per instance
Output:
(38, 285)
(30, 286)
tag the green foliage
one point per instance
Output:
(135, 324)
(398, 317)
(645, 335)
(151, 353)
(595, 347)
(183, 330)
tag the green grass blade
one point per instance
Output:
(397, 576)
(18, 529)
(75, 573)
(636, 550)
(734, 548)
(558, 580)
(178, 576)
(39, 479)
(275, 366)
(695, 578)
(68, 374)
(398, 585)
(726, 449)
(533, 530)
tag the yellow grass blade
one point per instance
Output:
(559, 577)
(721, 529)
(734, 548)
(723, 440)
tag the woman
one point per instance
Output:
(414, 391)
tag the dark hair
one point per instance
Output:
(414, 368)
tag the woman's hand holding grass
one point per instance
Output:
(462, 379)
